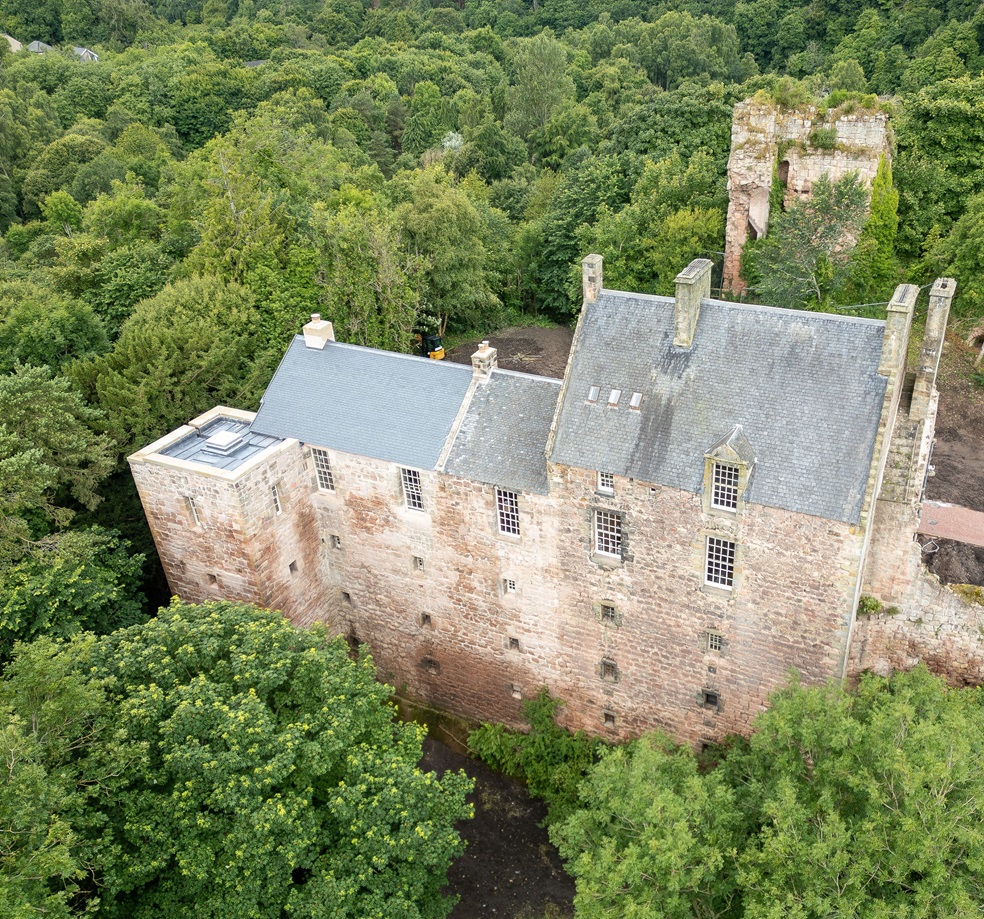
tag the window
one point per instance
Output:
(609, 670)
(508, 586)
(507, 504)
(714, 641)
(614, 396)
(608, 613)
(430, 665)
(513, 644)
(636, 401)
(608, 533)
(336, 542)
(292, 567)
(606, 483)
(322, 467)
(413, 494)
(593, 394)
(425, 619)
(720, 567)
(515, 691)
(709, 699)
(609, 718)
(213, 579)
(346, 597)
(277, 506)
(724, 487)
(418, 563)
(193, 512)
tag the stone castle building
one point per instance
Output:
(793, 147)
(658, 538)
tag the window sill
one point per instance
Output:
(717, 590)
(607, 561)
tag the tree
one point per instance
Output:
(804, 262)
(540, 83)
(267, 775)
(48, 452)
(81, 580)
(874, 269)
(196, 344)
(961, 255)
(839, 804)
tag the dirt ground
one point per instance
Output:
(958, 455)
(509, 870)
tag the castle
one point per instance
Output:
(658, 538)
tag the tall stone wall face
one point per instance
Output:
(779, 615)
(759, 133)
(483, 619)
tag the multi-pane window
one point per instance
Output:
(720, 567)
(418, 563)
(277, 506)
(606, 483)
(608, 670)
(715, 641)
(507, 504)
(322, 467)
(724, 487)
(609, 613)
(193, 511)
(508, 586)
(608, 533)
(413, 494)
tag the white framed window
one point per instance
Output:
(507, 505)
(418, 563)
(193, 512)
(322, 468)
(614, 396)
(413, 493)
(278, 508)
(724, 487)
(719, 569)
(715, 642)
(608, 533)
(636, 401)
(593, 394)
(606, 483)
(508, 586)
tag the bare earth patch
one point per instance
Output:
(529, 350)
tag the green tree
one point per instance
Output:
(48, 454)
(804, 262)
(961, 255)
(268, 775)
(874, 269)
(81, 580)
(540, 83)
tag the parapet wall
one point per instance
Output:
(768, 141)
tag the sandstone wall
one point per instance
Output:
(759, 134)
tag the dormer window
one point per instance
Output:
(724, 487)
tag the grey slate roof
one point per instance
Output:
(392, 407)
(503, 436)
(803, 386)
(193, 447)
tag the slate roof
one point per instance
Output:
(803, 386)
(503, 436)
(193, 446)
(392, 407)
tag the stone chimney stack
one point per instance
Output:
(318, 332)
(484, 362)
(895, 342)
(940, 298)
(592, 269)
(693, 284)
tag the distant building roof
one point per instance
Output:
(392, 407)
(503, 437)
(15, 45)
(803, 386)
(39, 47)
(254, 63)
(85, 54)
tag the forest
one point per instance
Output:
(172, 212)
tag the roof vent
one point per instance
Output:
(224, 442)
(593, 394)
(615, 395)
(636, 400)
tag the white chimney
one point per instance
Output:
(318, 332)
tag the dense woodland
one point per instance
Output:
(171, 214)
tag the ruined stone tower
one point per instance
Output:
(794, 147)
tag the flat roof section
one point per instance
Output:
(221, 443)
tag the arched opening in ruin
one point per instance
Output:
(783, 173)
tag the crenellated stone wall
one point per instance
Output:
(767, 140)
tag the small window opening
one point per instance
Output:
(715, 641)
(513, 644)
(508, 586)
(515, 691)
(608, 613)
(425, 619)
(609, 670)
(292, 567)
(606, 483)
(430, 665)
(336, 542)
(347, 597)
(213, 579)
(609, 718)
(418, 563)
(709, 699)
(593, 394)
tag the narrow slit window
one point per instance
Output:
(507, 505)
(278, 508)
(193, 512)
(322, 467)
(413, 493)
(724, 487)
(720, 567)
(608, 533)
